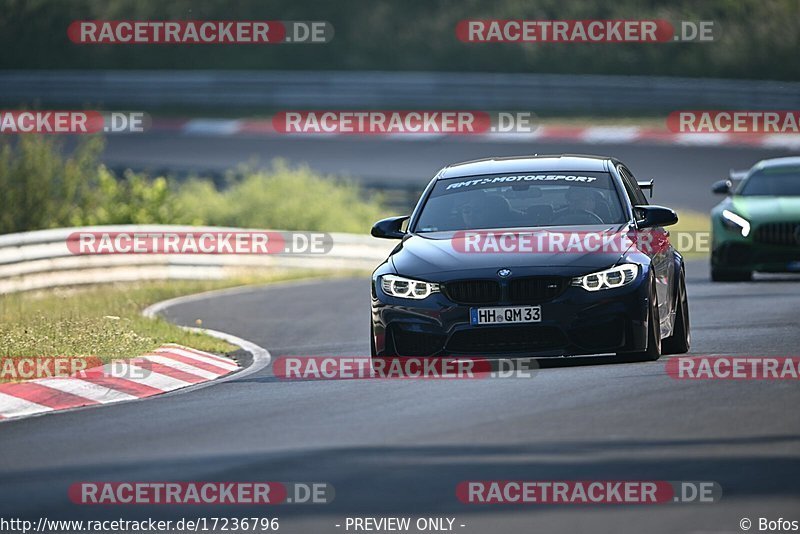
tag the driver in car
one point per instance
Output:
(580, 199)
(488, 211)
(580, 209)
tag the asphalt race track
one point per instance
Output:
(400, 447)
(683, 174)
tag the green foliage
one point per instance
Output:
(758, 38)
(281, 198)
(40, 188)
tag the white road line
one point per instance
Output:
(14, 407)
(84, 389)
(180, 366)
(261, 356)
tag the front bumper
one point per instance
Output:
(735, 253)
(747, 257)
(577, 322)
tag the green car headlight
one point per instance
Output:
(732, 221)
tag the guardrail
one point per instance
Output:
(41, 259)
(382, 90)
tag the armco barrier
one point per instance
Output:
(41, 259)
(388, 90)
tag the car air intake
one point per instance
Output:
(778, 233)
(473, 291)
(492, 340)
(536, 289)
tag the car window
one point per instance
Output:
(634, 192)
(772, 181)
(521, 200)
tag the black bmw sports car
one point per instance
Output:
(531, 256)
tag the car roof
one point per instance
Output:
(776, 162)
(535, 163)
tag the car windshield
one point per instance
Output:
(521, 200)
(773, 181)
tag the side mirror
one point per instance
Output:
(390, 228)
(723, 187)
(652, 216)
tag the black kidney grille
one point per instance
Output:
(473, 291)
(536, 289)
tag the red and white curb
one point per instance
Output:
(167, 368)
(582, 134)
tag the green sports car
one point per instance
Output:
(757, 227)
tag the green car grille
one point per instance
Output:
(778, 233)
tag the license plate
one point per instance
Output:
(509, 315)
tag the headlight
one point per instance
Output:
(406, 288)
(608, 279)
(733, 221)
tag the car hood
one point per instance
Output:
(436, 253)
(766, 209)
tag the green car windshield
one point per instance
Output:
(775, 181)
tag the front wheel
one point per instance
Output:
(680, 340)
(372, 350)
(653, 350)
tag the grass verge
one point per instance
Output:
(105, 320)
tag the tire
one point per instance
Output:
(723, 275)
(377, 363)
(653, 350)
(373, 352)
(681, 339)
